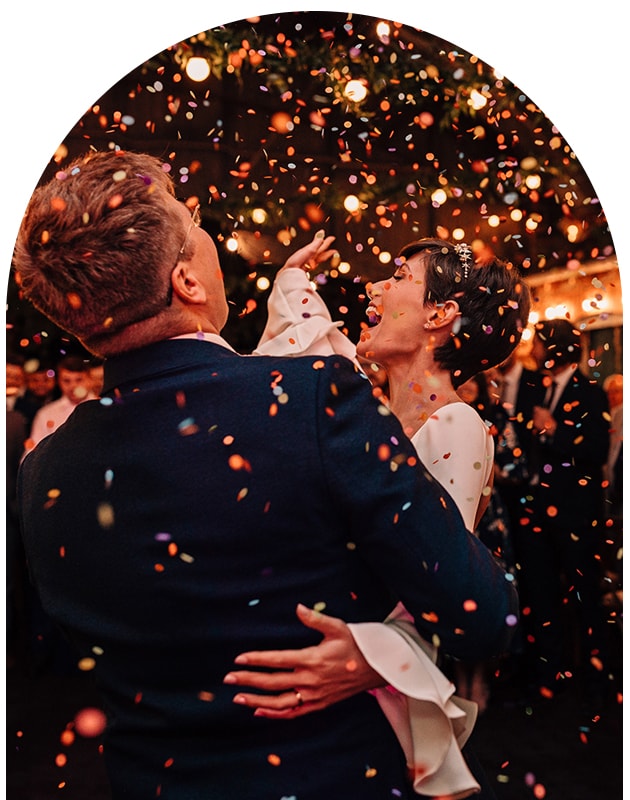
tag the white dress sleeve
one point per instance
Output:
(298, 321)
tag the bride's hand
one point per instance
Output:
(312, 254)
(305, 680)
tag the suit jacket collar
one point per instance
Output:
(123, 372)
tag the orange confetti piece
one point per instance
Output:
(274, 760)
(384, 452)
(67, 738)
(115, 201)
(74, 301)
(238, 462)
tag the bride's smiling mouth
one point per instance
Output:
(374, 314)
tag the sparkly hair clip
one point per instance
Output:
(464, 253)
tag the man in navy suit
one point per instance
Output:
(560, 537)
(180, 519)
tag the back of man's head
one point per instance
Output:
(97, 245)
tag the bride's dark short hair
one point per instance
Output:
(493, 301)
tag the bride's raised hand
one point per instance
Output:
(315, 252)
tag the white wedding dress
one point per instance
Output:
(457, 449)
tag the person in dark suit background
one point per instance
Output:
(181, 518)
(16, 433)
(560, 536)
(41, 388)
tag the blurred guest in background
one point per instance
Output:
(613, 386)
(41, 388)
(16, 379)
(16, 431)
(560, 536)
(75, 385)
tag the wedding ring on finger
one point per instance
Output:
(300, 699)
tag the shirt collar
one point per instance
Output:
(203, 336)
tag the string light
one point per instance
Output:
(356, 90)
(197, 68)
(352, 203)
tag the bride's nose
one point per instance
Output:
(373, 290)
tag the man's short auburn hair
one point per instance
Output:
(98, 243)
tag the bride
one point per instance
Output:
(436, 322)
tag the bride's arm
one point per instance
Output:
(298, 321)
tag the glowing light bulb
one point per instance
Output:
(382, 30)
(352, 203)
(439, 197)
(573, 232)
(197, 68)
(533, 181)
(477, 100)
(355, 90)
(232, 245)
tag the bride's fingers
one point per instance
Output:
(288, 713)
(287, 701)
(317, 250)
(267, 681)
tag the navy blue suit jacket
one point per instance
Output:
(572, 460)
(179, 520)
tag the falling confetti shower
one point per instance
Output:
(375, 131)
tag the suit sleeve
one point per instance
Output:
(406, 526)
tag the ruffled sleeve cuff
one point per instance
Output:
(431, 724)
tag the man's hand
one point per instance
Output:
(543, 421)
(312, 254)
(309, 679)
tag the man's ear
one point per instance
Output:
(445, 314)
(186, 285)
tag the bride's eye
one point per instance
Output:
(397, 276)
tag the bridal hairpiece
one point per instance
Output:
(464, 253)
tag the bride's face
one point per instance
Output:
(397, 314)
